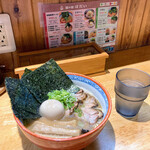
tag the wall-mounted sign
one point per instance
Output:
(81, 22)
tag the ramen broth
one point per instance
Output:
(72, 124)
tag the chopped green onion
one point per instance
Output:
(66, 98)
(79, 111)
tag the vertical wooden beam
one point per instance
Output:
(133, 20)
(121, 21)
(144, 35)
(0, 7)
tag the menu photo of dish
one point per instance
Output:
(110, 33)
(110, 30)
(68, 27)
(112, 37)
(66, 39)
(66, 21)
(113, 15)
(107, 39)
(66, 17)
(92, 35)
(89, 15)
(112, 11)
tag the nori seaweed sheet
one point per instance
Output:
(24, 105)
(27, 100)
(45, 79)
(31, 90)
(11, 85)
(26, 71)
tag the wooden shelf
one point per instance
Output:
(84, 59)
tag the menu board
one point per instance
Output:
(82, 22)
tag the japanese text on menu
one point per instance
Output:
(82, 25)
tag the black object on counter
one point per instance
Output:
(2, 67)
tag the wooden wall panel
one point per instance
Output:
(20, 12)
(133, 25)
(71, 1)
(144, 35)
(38, 28)
(7, 60)
(0, 7)
(129, 56)
(29, 35)
(121, 21)
(63, 1)
(133, 20)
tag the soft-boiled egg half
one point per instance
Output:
(52, 109)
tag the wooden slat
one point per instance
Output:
(0, 7)
(38, 28)
(71, 57)
(88, 0)
(62, 1)
(20, 12)
(0, 12)
(6, 59)
(62, 49)
(129, 56)
(41, 56)
(84, 65)
(2, 90)
(132, 24)
(72, 1)
(121, 21)
(15, 61)
(125, 57)
(144, 35)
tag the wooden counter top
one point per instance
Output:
(118, 134)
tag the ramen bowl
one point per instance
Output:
(83, 140)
